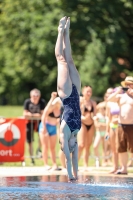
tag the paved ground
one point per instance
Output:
(39, 171)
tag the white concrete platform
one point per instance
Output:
(40, 171)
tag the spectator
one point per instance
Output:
(47, 130)
(86, 133)
(33, 109)
(100, 124)
(124, 98)
(112, 112)
(108, 161)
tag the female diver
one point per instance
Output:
(68, 87)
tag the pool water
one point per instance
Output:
(56, 187)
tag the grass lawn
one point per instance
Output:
(16, 111)
(11, 111)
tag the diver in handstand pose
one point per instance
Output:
(68, 87)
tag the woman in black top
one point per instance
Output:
(86, 133)
(47, 129)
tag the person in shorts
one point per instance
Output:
(50, 120)
(124, 140)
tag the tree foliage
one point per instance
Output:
(96, 67)
(101, 37)
(27, 40)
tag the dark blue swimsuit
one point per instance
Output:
(72, 114)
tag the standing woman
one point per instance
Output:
(100, 125)
(86, 134)
(68, 87)
(112, 112)
(47, 130)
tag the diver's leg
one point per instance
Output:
(75, 162)
(74, 75)
(65, 134)
(64, 84)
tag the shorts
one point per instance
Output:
(124, 138)
(31, 127)
(50, 128)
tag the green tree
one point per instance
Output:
(27, 39)
(96, 67)
(113, 23)
(28, 31)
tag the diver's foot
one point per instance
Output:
(67, 25)
(62, 23)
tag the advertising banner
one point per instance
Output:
(12, 139)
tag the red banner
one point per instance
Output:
(12, 139)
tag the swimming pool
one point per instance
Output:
(56, 187)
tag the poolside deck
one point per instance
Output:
(39, 171)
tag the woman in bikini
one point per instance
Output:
(100, 125)
(68, 87)
(47, 130)
(86, 134)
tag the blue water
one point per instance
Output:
(57, 187)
